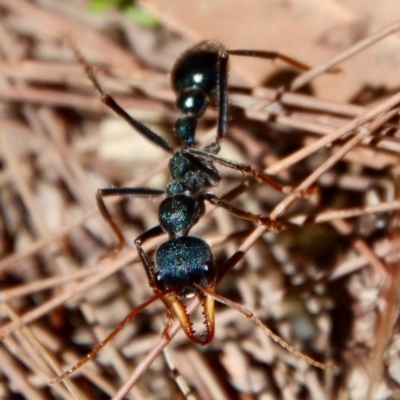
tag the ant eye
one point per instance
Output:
(209, 271)
(159, 281)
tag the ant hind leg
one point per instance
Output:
(110, 102)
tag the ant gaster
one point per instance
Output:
(183, 265)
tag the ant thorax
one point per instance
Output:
(190, 175)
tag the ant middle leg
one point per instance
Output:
(259, 176)
(275, 226)
(124, 192)
(150, 271)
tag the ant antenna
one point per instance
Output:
(276, 338)
(114, 333)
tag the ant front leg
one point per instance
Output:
(274, 226)
(124, 192)
(151, 274)
(147, 264)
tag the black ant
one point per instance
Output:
(183, 266)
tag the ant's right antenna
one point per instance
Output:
(276, 338)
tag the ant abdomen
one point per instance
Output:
(197, 68)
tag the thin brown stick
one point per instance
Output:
(352, 51)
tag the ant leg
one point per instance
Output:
(223, 101)
(147, 264)
(274, 55)
(259, 176)
(275, 226)
(125, 192)
(151, 274)
(111, 103)
(270, 55)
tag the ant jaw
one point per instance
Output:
(172, 302)
(209, 315)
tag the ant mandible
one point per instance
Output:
(183, 266)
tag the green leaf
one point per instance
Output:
(99, 6)
(141, 17)
(128, 7)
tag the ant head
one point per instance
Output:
(184, 263)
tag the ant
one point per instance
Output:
(183, 266)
